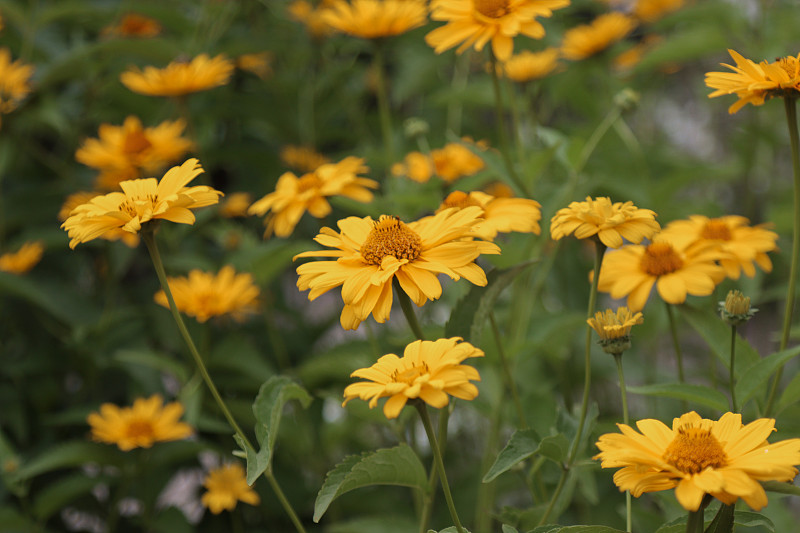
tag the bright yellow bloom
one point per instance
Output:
(609, 222)
(134, 25)
(473, 23)
(75, 199)
(652, 10)
(23, 259)
(303, 11)
(428, 370)
(527, 66)
(373, 19)
(370, 254)
(416, 166)
(179, 77)
(204, 295)
(139, 202)
(500, 215)
(259, 63)
(456, 160)
(14, 81)
(633, 270)
(140, 426)
(754, 83)
(587, 40)
(302, 158)
(698, 456)
(614, 329)
(294, 196)
(235, 205)
(744, 246)
(227, 485)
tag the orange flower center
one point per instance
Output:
(390, 236)
(308, 182)
(129, 206)
(660, 258)
(140, 430)
(410, 375)
(716, 230)
(491, 8)
(460, 200)
(789, 65)
(135, 142)
(693, 450)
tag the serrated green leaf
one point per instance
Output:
(759, 372)
(684, 391)
(390, 466)
(522, 444)
(718, 336)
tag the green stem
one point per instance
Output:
(611, 117)
(733, 359)
(516, 123)
(382, 94)
(626, 421)
(556, 493)
(790, 104)
(509, 378)
(695, 521)
(439, 462)
(673, 329)
(458, 85)
(408, 311)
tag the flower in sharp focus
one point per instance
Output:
(179, 77)
(75, 199)
(24, 259)
(675, 271)
(14, 81)
(500, 215)
(134, 25)
(652, 10)
(373, 19)
(226, 486)
(148, 421)
(744, 246)
(474, 23)
(141, 201)
(527, 65)
(609, 222)
(587, 40)
(428, 370)
(735, 310)
(614, 328)
(698, 456)
(754, 82)
(370, 254)
(294, 196)
(302, 158)
(204, 295)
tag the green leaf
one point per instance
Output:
(790, 395)
(575, 529)
(66, 455)
(723, 521)
(759, 372)
(740, 518)
(522, 444)
(509, 529)
(390, 466)
(57, 494)
(781, 488)
(718, 336)
(257, 462)
(555, 447)
(751, 519)
(152, 360)
(684, 391)
(10, 461)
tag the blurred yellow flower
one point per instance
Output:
(369, 254)
(140, 201)
(227, 485)
(609, 222)
(754, 83)
(373, 19)
(205, 295)
(428, 370)
(24, 259)
(473, 23)
(302, 158)
(148, 421)
(527, 66)
(415, 166)
(179, 77)
(698, 456)
(303, 11)
(259, 63)
(456, 160)
(235, 205)
(294, 196)
(134, 25)
(587, 40)
(652, 10)
(14, 81)
(500, 215)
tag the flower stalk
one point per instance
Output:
(501, 127)
(408, 311)
(626, 421)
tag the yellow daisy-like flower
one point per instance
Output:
(754, 83)
(473, 23)
(614, 328)
(148, 421)
(294, 196)
(141, 201)
(303, 11)
(258, 63)
(226, 486)
(24, 259)
(676, 272)
(527, 66)
(373, 19)
(134, 25)
(587, 40)
(609, 222)
(236, 205)
(652, 10)
(744, 246)
(370, 254)
(14, 81)
(75, 199)
(455, 161)
(698, 456)
(179, 77)
(204, 295)
(500, 215)
(302, 158)
(415, 166)
(428, 370)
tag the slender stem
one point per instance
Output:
(673, 328)
(516, 123)
(611, 117)
(695, 521)
(439, 462)
(382, 94)
(556, 493)
(458, 84)
(509, 378)
(408, 311)
(733, 359)
(626, 421)
(790, 105)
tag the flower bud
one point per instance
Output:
(735, 310)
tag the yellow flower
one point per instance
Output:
(302, 158)
(527, 66)
(754, 83)
(652, 10)
(227, 485)
(500, 215)
(455, 161)
(633, 55)
(259, 63)
(609, 222)
(373, 19)
(14, 81)
(744, 246)
(587, 40)
(294, 196)
(204, 295)
(179, 77)
(415, 166)
(74, 200)
(147, 422)
(303, 11)
(23, 259)
(236, 205)
(698, 456)
(134, 25)
(473, 23)
(428, 370)
(614, 329)
(370, 254)
(139, 202)
(633, 270)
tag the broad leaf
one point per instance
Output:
(781, 487)
(759, 372)
(684, 391)
(257, 461)
(555, 447)
(790, 395)
(522, 444)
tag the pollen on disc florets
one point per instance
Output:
(693, 450)
(716, 229)
(660, 258)
(491, 8)
(460, 200)
(390, 236)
